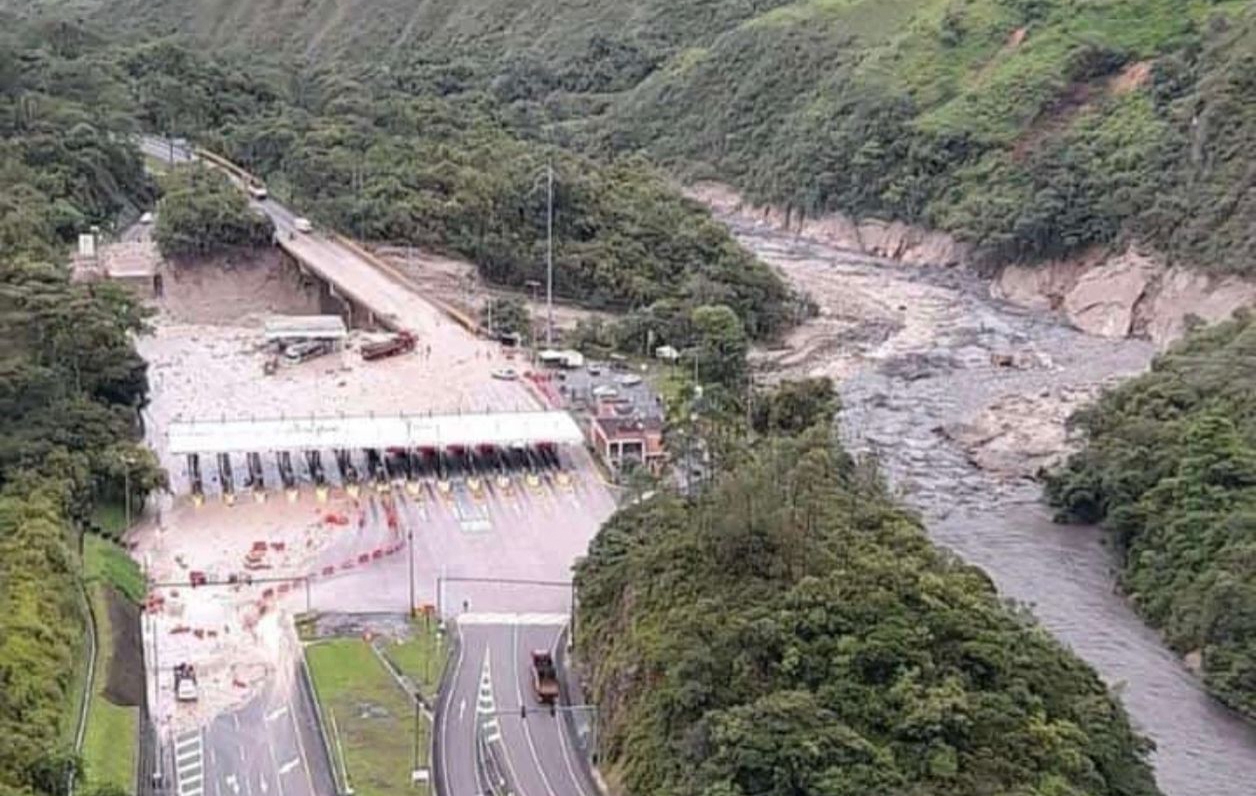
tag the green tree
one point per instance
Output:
(507, 315)
(1170, 467)
(790, 630)
(719, 345)
(202, 213)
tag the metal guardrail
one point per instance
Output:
(88, 685)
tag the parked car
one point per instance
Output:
(630, 380)
(605, 391)
(506, 374)
(305, 351)
(302, 225)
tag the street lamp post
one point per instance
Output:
(410, 542)
(127, 463)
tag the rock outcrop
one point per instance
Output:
(1016, 436)
(892, 240)
(1130, 293)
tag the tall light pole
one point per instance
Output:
(127, 462)
(549, 256)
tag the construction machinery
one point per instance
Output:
(185, 687)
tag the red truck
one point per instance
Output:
(544, 677)
(401, 343)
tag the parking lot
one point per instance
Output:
(609, 380)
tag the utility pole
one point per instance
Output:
(549, 256)
(410, 557)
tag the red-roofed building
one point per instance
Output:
(620, 439)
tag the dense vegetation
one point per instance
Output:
(1026, 127)
(70, 381)
(792, 632)
(202, 212)
(373, 160)
(1170, 466)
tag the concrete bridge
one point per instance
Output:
(368, 291)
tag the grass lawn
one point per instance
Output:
(109, 743)
(421, 658)
(105, 561)
(111, 517)
(370, 716)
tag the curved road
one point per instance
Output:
(483, 744)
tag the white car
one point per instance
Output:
(630, 380)
(258, 192)
(146, 218)
(506, 374)
(302, 225)
(605, 391)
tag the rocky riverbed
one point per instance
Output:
(963, 399)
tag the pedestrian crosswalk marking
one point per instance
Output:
(189, 763)
(486, 705)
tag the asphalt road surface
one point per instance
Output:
(516, 542)
(269, 746)
(484, 745)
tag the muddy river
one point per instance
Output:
(922, 355)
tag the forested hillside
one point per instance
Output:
(1170, 466)
(385, 163)
(1027, 127)
(70, 381)
(793, 633)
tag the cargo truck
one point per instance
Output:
(544, 677)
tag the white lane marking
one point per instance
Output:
(565, 742)
(189, 763)
(274, 764)
(277, 713)
(444, 747)
(233, 782)
(305, 761)
(510, 764)
(462, 708)
(544, 620)
(484, 703)
(262, 781)
(527, 731)
(288, 766)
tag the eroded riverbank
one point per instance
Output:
(961, 397)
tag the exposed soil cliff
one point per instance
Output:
(1125, 294)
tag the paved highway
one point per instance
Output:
(271, 745)
(483, 745)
